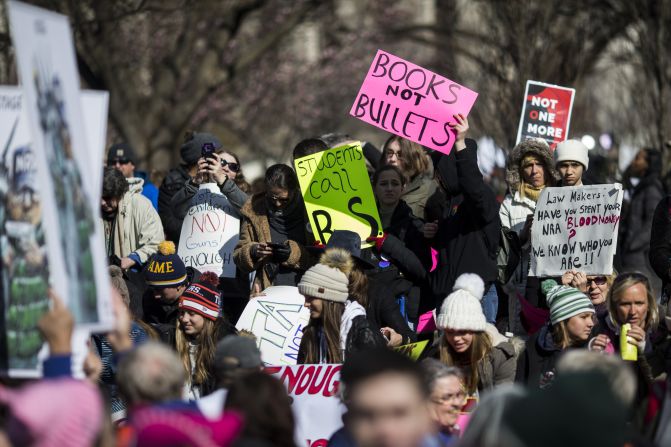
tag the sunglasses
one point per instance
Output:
(275, 199)
(118, 161)
(234, 167)
(599, 280)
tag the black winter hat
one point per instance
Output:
(120, 151)
(191, 150)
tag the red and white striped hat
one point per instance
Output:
(203, 297)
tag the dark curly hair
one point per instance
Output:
(114, 184)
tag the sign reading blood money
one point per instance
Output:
(317, 409)
(210, 232)
(546, 113)
(277, 319)
(338, 194)
(575, 228)
(412, 102)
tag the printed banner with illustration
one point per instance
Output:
(546, 113)
(410, 101)
(338, 194)
(575, 228)
(50, 84)
(277, 319)
(317, 408)
(25, 268)
(210, 232)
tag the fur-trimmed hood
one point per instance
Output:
(529, 147)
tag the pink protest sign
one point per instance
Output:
(427, 323)
(412, 102)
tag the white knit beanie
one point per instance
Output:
(461, 310)
(572, 150)
(324, 282)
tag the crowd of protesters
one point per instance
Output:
(513, 360)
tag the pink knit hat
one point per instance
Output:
(157, 427)
(56, 412)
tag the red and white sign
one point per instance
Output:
(317, 408)
(546, 113)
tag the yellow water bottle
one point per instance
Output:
(627, 350)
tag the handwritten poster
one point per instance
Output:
(316, 406)
(575, 228)
(546, 113)
(338, 194)
(210, 232)
(277, 319)
(413, 350)
(412, 102)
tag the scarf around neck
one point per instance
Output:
(530, 191)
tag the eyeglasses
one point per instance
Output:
(450, 397)
(599, 280)
(231, 165)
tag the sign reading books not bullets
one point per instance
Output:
(412, 102)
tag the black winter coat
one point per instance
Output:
(386, 285)
(173, 182)
(362, 336)
(660, 245)
(637, 225)
(536, 365)
(469, 231)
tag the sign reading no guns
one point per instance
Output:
(575, 228)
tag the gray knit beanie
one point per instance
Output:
(324, 282)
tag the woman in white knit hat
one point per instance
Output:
(466, 341)
(571, 324)
(338, 325)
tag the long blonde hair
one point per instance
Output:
(468, 361)
(206, 341)
(622, 283)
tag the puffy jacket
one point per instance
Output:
(173, 182)
(137, 228)
(514, 211)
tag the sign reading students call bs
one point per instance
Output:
(338, 194)
(412, 102)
